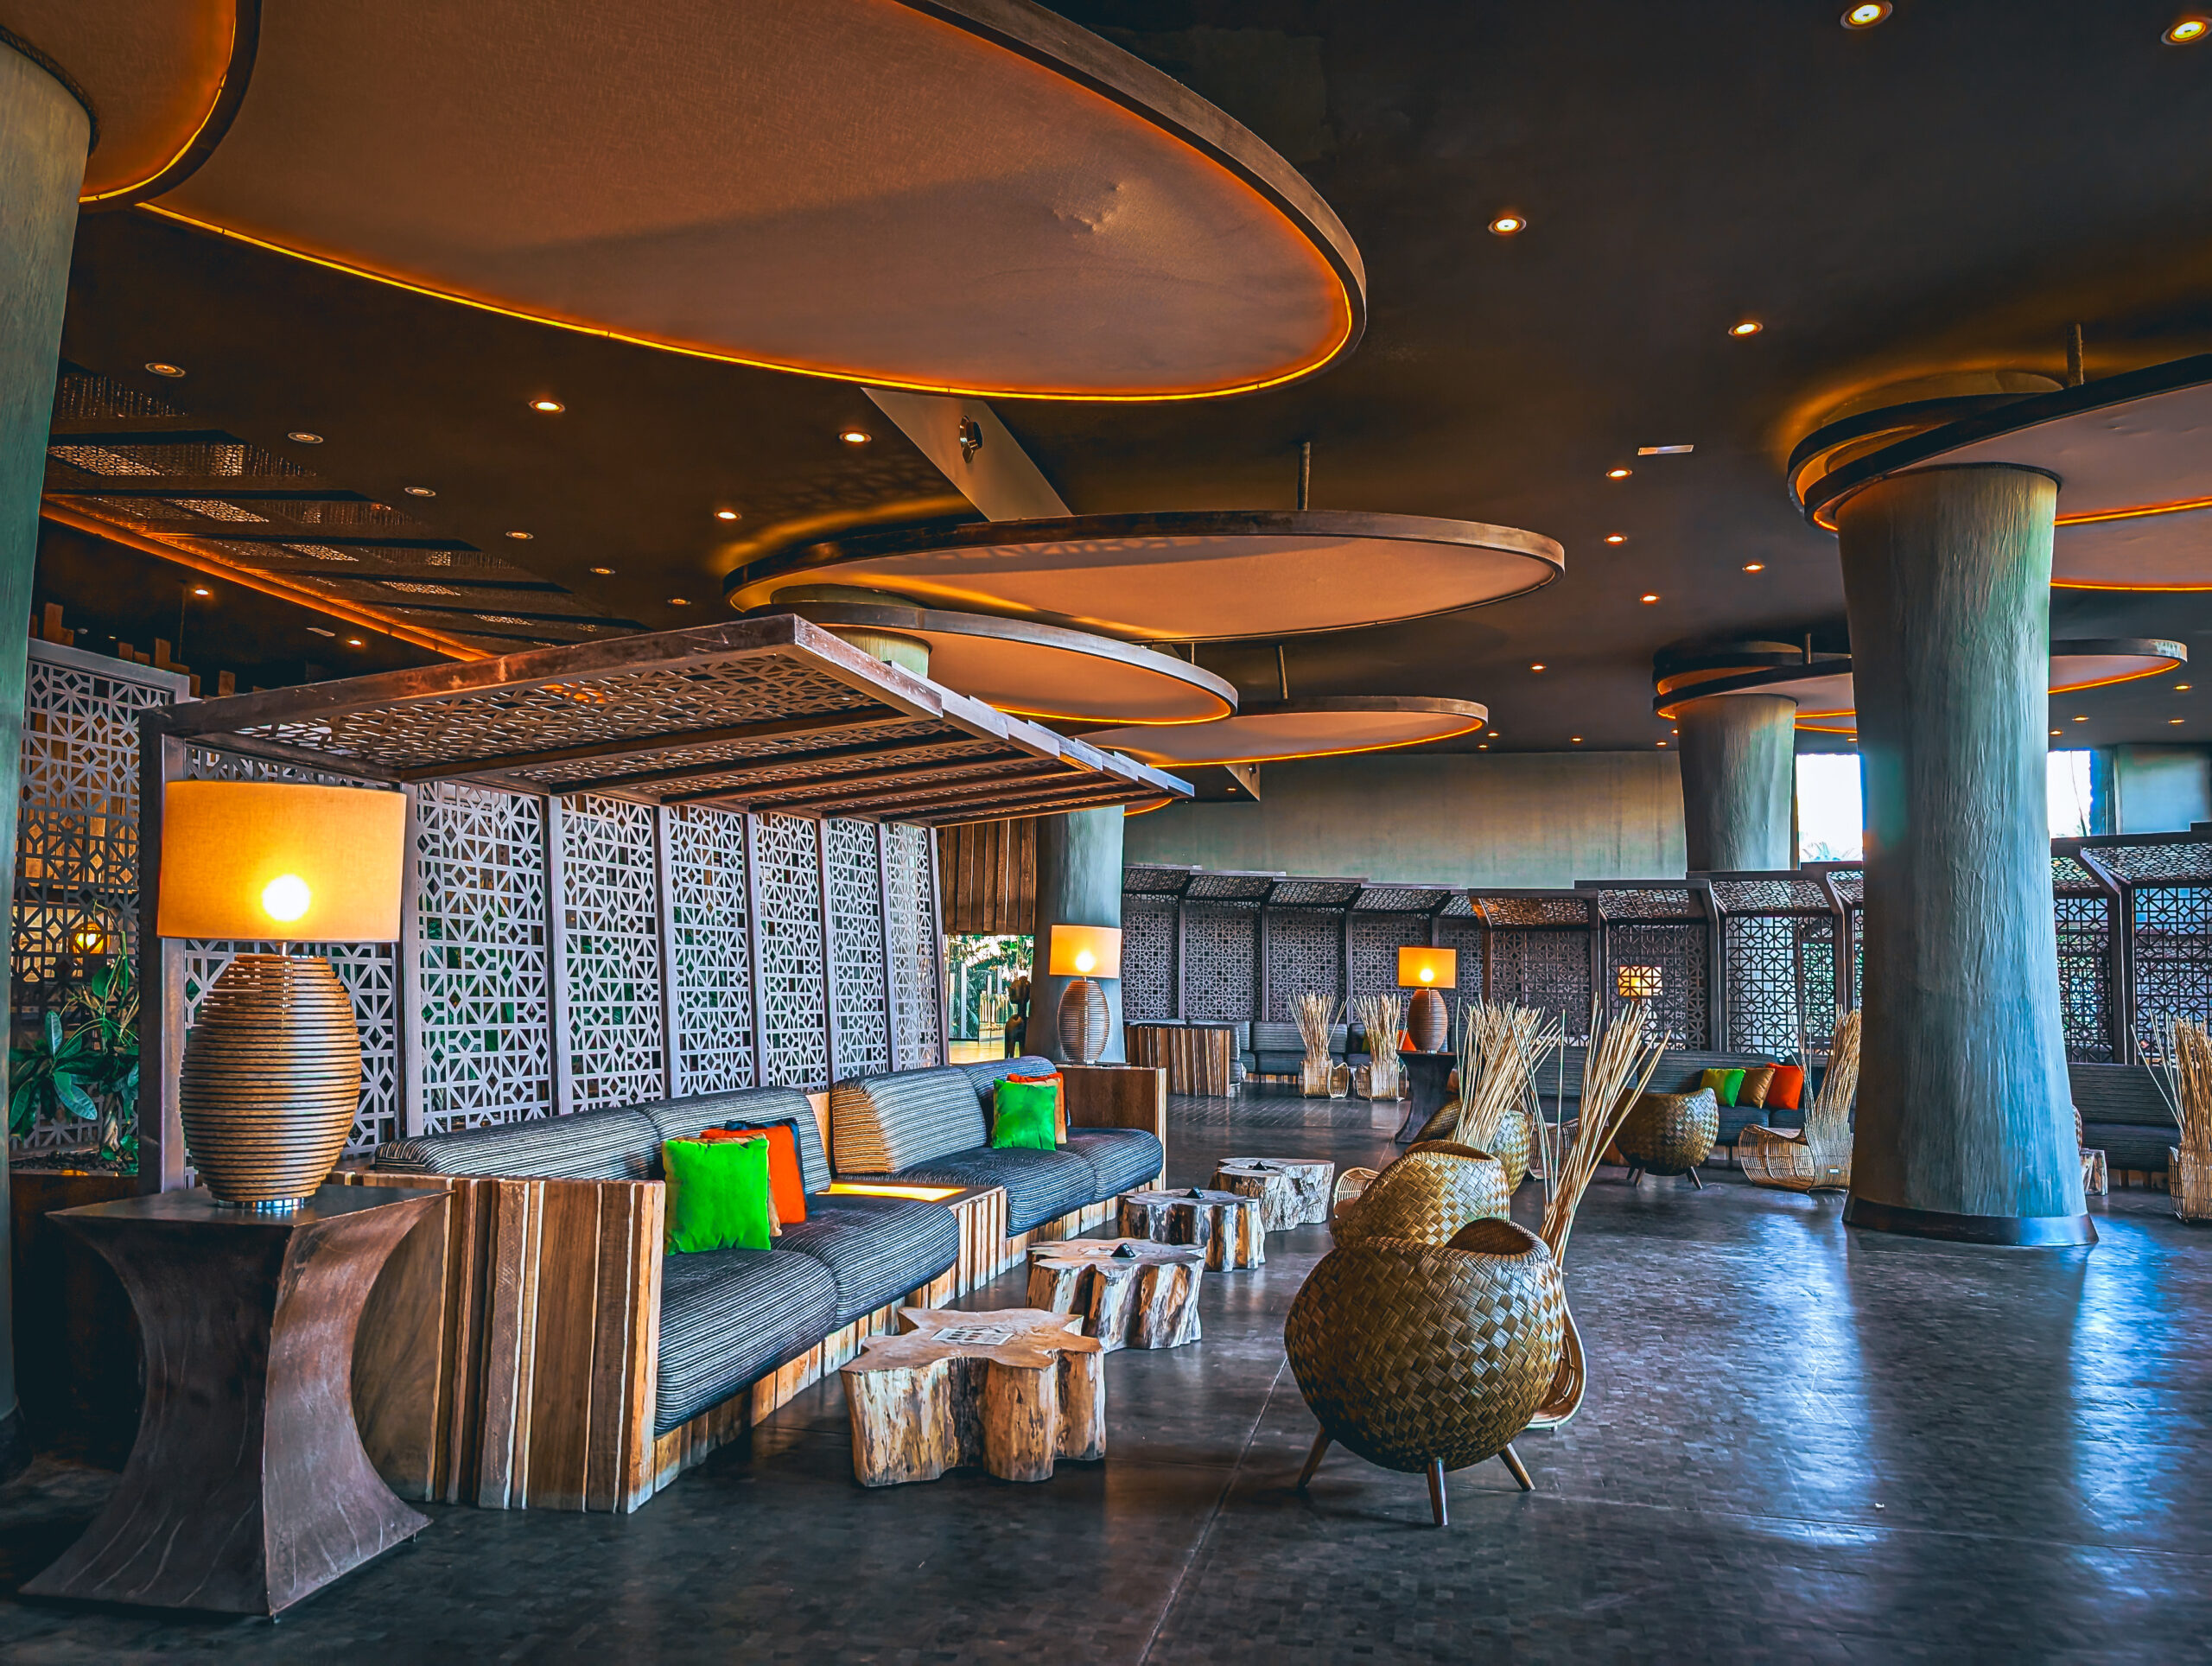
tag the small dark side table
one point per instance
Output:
(1427, 1075)
(247, 1488)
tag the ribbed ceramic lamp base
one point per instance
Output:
(272, 1077)
(1083, 1020)
(1427, 1021)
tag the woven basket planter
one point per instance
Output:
(1516, 1136)
(1671, 1133)
(2189, 1182)
(1413, 1354)
(1425, 1196)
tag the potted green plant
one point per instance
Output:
(87, 1070)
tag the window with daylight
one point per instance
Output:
(1831, 814)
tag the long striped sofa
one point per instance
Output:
(537, 1347)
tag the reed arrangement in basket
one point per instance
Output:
(1316, 1015)
(1502, 1046)
(2180, 1062)
(1623, 1053)
(1382, 1016)
(1819, 1156)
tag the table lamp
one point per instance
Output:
(1638, 982)
(1077, 952)
(1424, 971)
(272, 1066)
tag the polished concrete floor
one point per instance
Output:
(1801, 1443)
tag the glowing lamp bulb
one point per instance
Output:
(285, 898)
(1085, 960)
(1428, 974)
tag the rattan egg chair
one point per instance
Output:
(1426, 1195)
(1670, 1133)
(1514, 1137)
(1427, 1358)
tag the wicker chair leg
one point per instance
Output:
(1436, 1491)
(1313, 1459)
(1696, 1182)
(1511, 1459)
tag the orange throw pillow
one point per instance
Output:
(786, 1186)
(1787, 1089)
(1059, 1102)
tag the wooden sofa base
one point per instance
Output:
(507, 1357)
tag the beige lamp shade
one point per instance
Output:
(1428, 968)
(1085, 951)
(270, 862)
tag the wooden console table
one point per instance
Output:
(247, 1489)
(1197, 1058)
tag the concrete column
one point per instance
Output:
(44, 134)
(1738, 754)
(1965, 1127)
(1078, 883)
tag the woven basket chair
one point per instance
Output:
(1425, 1196)
(1794, 1163)
(1427, 1358)
(1670, 1133)
(1514, 1137)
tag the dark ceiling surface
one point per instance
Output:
(1950, 190)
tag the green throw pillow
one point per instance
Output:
(1725, 1085)
(1025, 1117)
(717, 1195)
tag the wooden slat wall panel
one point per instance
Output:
(988, 876)
(558, 1430)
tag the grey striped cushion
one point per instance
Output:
(1121, 1158)
(1041, 1185)
(681, 1119)
(986, 1076)
(880, 1123)
(592, 1145)
(729, 1317)
(876, 1249)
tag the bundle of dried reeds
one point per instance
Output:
(2180, 1062)
(1623, 1053)
(1382, 1016)
(1317, 1015)
(1818, 1157)
(1502, 1046)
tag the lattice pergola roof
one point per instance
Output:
(769, 713)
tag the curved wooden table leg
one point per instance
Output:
(1313, 1459)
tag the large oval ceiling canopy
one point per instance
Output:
(1280, 730)
(1187, 577)
(1826, 701)
(1036, 671)
(2131, 454)
(970, 196)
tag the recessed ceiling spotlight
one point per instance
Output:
(1649, 595)
(1538, 666)
(2183, 688)
(679, 601)
(1482, 746)
(201, 590)
(419, 491)
(1509, 225)
(1866, 14)
(1618, 473)
(1576, 739)
(725, 514)
(353, 642)
(1664, 450)
(549, 406)
(304, 438)
(2083, 718)
(1662, 743)
(1749, 327)
(519, 535)
(1616, 537)
(604, 572)
(2054, 731)
(2177, 720)
(852, 435)
(2184, 31)
(159, 369)
(1755, 566)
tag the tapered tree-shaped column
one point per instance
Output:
(1739, 752)
(1965, 1125)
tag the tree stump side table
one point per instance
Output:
(247, 1489)
(1292, 1191)
(1131, 1293)
(1014, 1391)
(1227, 1225)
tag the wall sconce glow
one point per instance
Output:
(550, 407)
(1509, 225)
(1638, 982)
(159, 369)
(2184, 31)
(1749, 327)
(1867, 15)
(285, 898)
